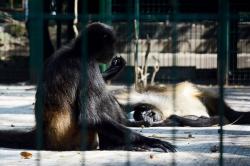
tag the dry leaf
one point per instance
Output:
(26, 155)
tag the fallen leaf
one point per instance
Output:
(26, 155)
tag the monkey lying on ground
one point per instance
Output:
(181, 105)
(72, 102)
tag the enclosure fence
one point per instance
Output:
(187, 43)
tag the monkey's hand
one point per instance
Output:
(117, 64)
(159, 144)
(113, 135)
(148, 145)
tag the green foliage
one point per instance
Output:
(5, 17)
(15, 30)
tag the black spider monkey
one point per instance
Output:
(65, 110)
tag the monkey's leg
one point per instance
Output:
(113, 135)
(193, 121)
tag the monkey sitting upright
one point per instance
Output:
(71, 98)
(183, 104)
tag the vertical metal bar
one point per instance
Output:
(174, 15)
(137, 15)
(59, 25)
(130, 78)
(137, 34)
(84, 74)
(233, 42)
(36, 54)
(102, 9)
(223, 48)
(223, 44)
(108, 11)
(105, 11)
(174, 31)
(130, 32)
(35, 27)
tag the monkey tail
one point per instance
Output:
(237, 117)
(211, 101)
(18, 139)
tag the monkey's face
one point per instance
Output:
(144, 112)
(101, 42)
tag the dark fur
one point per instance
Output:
(115, 68)
(72, 97)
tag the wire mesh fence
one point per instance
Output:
(196, 40)
(205, 43)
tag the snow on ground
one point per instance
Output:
(194, 145)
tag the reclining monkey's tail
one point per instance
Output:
(211, 100)
(18, 139)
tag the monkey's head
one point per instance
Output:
(144, 112)
(101, 42)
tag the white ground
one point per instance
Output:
(193, 144)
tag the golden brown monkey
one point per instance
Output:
(183, 104)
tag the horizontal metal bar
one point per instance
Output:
(143, 17)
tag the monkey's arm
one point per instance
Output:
(192, 121)
(138, 123)
(153, 119)
(145, 113)
(117, 65)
